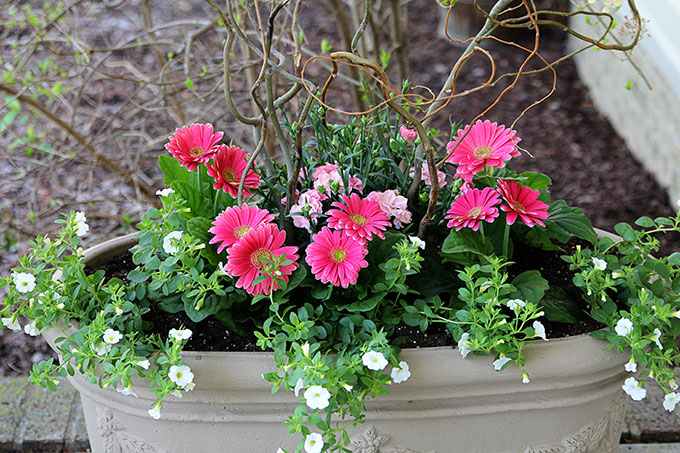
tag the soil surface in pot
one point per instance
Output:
(211, 335)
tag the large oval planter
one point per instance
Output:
(574, 403)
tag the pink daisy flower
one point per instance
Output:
(311, 201)
(425, 175)
(486, 144)
(194, 145)
(227, 168)
(472, 207)
(248, 256)
(392, 204)
(235, 222)
(522, 201)
(360, 219)
(336, 258)
(407, 134)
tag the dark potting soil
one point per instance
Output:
(211, 335)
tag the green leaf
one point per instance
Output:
(644, 222)
(172, 170)
(674, 258)
(211, 305)
(559, 306)
(529, 286)
(366, 304)
(566, 221)
(465, 247)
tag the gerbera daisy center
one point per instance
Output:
(229, 174)
(197, 151)
(482, 152)
(358, 219)
(474, 212)
(242, 231)
(338, 255)
(517, 206)
(260, 257)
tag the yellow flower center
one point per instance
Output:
(228, 174)
(474, 212)
(242, 231)
(179, 374)
(197, 151)
(518, 206)
(260, 257)
(482, 152)
(338, 255)
(358, 219)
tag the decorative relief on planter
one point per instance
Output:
(599, 436)
(115, 439)
(373, 443)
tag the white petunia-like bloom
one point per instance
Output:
(102, 349)
(632, 387)
(189, 387)
(313, 443)
(374, 360)
(119, 311)
(155, 413)
(599, 264)
(514, 304)
(525, 377)
(164, 192)
(181, 375)
(631, 366)
(180, 334)
(298, 386)
(400, 374)
(656, 336)
(415, 240)
(126, 391)
(170, 242)
(23, 281)
(317, 397)
(221, 270)
(144, 364)
(540, 330)
(112, 336)
(81, 224)
(624, 327)
(464, 344)
(31, 329)
(670, 400)
(498, 364)
(11, 323)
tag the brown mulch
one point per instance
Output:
(570, 140)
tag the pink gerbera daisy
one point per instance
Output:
(247, 258)
(235, 222)
(486, 144)
(522, 201)
(472, 207)
(360, 219)
(194, 145)
(227, 168)
(336, 258)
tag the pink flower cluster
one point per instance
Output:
(476, 205)
(197, 144)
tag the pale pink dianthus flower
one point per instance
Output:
(393, 205)
(310, 203)
(407, 133)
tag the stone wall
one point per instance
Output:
(646, 113)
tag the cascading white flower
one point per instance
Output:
(670, 401)
(464, 344)
(514, 304)
(599, 264)
(170, 242)
(164, 192)
(112, 336)
(632, 387)
(23, 281)
(624, 327)
(631, 366)
(31, 329)
(313, 443)
(415, 240)
(180, 334)
(374, 360)
(144, 364)
(11, 323)
(498, 364)
(540, 330)
(656, 336)
(317, 397)
(401, 373)
(155, 412)
(181, 375)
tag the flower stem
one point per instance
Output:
(481, 230)
(506, 239)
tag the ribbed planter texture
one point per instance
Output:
(574, 403)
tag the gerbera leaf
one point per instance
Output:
(566, 221)
(529, 286)
(172, 170)
(465, 247)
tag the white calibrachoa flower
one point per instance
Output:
(170, 242)
(415, 240)
(631, 366)
(298, 386)
(81, 226)
(540, 330)
(624, 327)
(180, 334)
(31, 329)
(401, 373)
(126, 391)
(164, 192)
(374, 360)
(221, 270)
(464, 344)
(632, 387)
(189, 387)
(514, 304)
(313, 443)
(144, 364)
(670, 400)
(102, 349)
(317, 397)
(119, 311)
(11, 323)
(112, 336)
(599, 264)
(498, 364)
(656, 336)
(181, 375)
(23, 281)
(155, 412)
(525, 377)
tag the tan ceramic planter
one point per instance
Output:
(450, 404)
